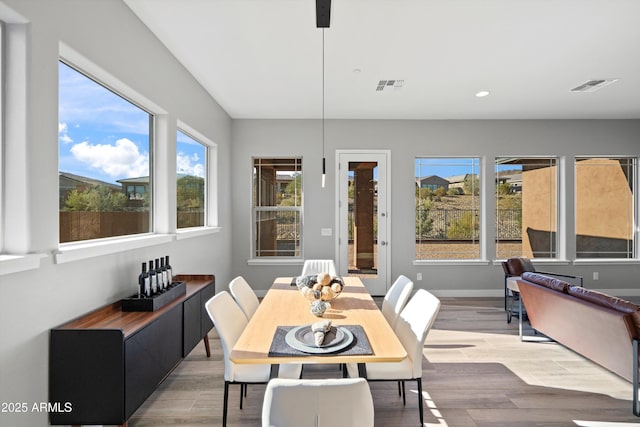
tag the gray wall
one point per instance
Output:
(110, 35)
(407, 140)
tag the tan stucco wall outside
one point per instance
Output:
(604, 205)
(538, 203)
(604, 201)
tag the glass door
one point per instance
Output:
(363, 218)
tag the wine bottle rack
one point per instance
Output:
(154, 302)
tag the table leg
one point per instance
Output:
(362, 370)
(275, 368)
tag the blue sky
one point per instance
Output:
(103, 136)
(446, 167)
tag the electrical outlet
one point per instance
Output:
(596, 275)
(419, 276)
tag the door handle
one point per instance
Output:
(383, 243)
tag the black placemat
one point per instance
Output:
(359, 346)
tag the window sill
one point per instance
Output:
(540, 261)
(16, 263)
(69, 252)
(286, 261)
(187, 233)
(424, 262)
(606, 261)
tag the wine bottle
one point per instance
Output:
(159, 276)
(153, 280)
(167, 266)
(144, 288)
(163, 268)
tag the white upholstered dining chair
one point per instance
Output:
(396, 298)
(315, 266)
(334, 402)
(412, 328)
(244, 296)
(230, 321)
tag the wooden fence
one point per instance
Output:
(86, 225)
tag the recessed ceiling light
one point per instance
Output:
(482, 93)
(356, 70)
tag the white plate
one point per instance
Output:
(301, 338)
(306, 337)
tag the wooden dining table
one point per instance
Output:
(284, 305)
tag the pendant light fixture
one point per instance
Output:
(323, 19)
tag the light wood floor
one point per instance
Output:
(476, 372)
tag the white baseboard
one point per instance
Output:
(489, 293)
(495, 293)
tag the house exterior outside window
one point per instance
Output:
(191, 181)
(447, 202)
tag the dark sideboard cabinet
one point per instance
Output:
(105, 364)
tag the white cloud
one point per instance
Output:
(188, 165)
(63, 134)
(122, 160)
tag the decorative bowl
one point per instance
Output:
(321, 287)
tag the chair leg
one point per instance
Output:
(399, 389)
(404, 395)
(420, 402)
(242, 386)
(506, 294)
(226, 401)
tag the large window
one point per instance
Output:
(191, 176)
(447, 200)
(526, 207)
(104, 143)
(605, 200)
(277, 207)
(2, 149)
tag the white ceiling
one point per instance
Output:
(263, 58)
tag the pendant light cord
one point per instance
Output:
(323, 93)
(324, 161)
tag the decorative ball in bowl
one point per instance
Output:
(320, 286)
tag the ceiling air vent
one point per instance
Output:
(593, 85)
(395, 84)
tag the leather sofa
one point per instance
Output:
(600, 327)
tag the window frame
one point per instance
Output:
(559, 243)
(481, 259)
(152, 149)
(211, 224)
(73, 251)
(254, 258)
(635, 205)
